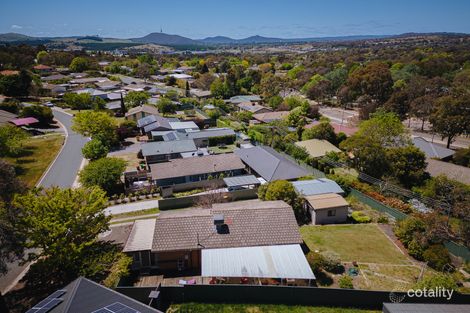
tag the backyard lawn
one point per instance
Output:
(254, 308)
(364, 243)
(222, 149)
(39, 152)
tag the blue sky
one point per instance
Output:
(236, 18)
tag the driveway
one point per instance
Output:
(64, 169)
(131, 207)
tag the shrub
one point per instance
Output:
(382, 220)
(407, 228)
(415, 249)
(437, 256)
(346, 282)
(94, 150)
(360, 217)
(316, 261)
(438, 280)
(332, 263)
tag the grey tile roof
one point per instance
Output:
(432, 150)
(251, 223)
(197, 165)
(317, 187)
(269, 164)
(168, 147)
(149, 109)
(85, 296)
(6, 117)
(453, 171)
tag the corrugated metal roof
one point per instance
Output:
(432, 150)
(241, 181)
(317, 187)
(326, 201)
(183, 125)
(283, 261)
(168, 147)
(140, 238)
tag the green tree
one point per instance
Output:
(16, 85)
(166, 106)
(280, 190)
(385, 129)
(43, 57)
(105, 173)
(97, 125)
(61, 227)
(408, 165)
(451, 117)
(437, 257)
(79, 64)
(80, 101)
(136, 98)
(346, 282)
(11, 140)
(94, 149)
(9, 183)
(374, 80)
(41, 113)
(462, 157)
(324, 130)
(438, 280)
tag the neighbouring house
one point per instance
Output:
(241, 182)
(327, 208)
(108, 85)
(175, 239)
(253, 107)
(6, 117)
(141, 111)
(338, 128)
(114, 106)
(318, 186)
(53, 77)
(24, 121)
(153, 122)
(94, 93)
(200, 94)
(270, 116)
(165, 135)
(211, 136)
(89, 80)
(432, 150)
(244, 98)
(453, 171)
(317, 148)
(53, 89)
(269, 164)
(42, 69)
(196, 171)
(185, 126)
(9, 72)
(84, 296)
(181, 76)
(161, 151)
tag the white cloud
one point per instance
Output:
(16, 27)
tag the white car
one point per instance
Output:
(49, 104)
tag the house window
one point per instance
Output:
(137, 257)
(331, 212)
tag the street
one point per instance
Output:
(64, 169)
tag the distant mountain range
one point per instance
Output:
(176, 40)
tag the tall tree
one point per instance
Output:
(97, 125)
(104, 173)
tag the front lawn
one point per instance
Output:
(364, 243)
(257, 308)
(38, 153)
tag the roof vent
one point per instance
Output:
(218, 219)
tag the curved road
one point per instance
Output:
(65, 167)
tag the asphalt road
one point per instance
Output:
(65, 168)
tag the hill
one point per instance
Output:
(165, 39)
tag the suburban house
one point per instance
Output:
(153, 122)
(42, 69)
(327, 208)
(84, 296)
(318, 186)
(53, 77)
(6, 117)
(269, 164)
(197, 170)
(253, 107)
(186, 126)
(161, 151)
(107, 85)
(432, 150)
(94, 93)
(53, 89)
(270, 116)
(244, 98)
(451, 170)
(141, 111)
(317, 148)
(210, 240)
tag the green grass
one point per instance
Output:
(361, 243)
(137, 213)
(258, 308)
(220, 150)
(38, 153)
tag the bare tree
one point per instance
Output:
(211, 195)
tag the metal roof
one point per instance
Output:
(283, 261)
(317, 187)
(241, 181)
(211, 132)
(167, 147)
(144, 121)
(432, 150)
(425, 308)
(270, 164)
(326, 201)
(183, 125)
(139, 239)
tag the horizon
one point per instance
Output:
(209, 18)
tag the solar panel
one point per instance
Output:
(116, 307)
(49, 303)
(56, 294)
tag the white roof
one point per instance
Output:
(141, 236)
(183, 125)
(283, 261)
(317, 187)
(181, 76)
